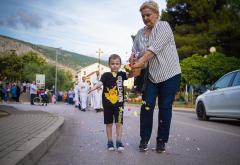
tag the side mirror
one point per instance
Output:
(214, 88)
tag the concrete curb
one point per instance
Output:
(30, 152)
(176, 109)
(186, 110)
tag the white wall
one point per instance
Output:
(93, 68)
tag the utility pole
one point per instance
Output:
(99, 52)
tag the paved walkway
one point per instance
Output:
(26, 135)
(82, 139)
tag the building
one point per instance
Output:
(90, 73)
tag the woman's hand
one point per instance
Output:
(144, 59)
(138, 64)
(132, 58)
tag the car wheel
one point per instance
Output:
(201, 112)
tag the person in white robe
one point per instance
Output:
(84, 88)
(89, 97)
(97, 95)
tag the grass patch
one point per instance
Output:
(184, 105)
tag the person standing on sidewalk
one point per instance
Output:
(113, 100)
(18, 91)
(33, 91)
(76, 95)
(70, 96)
(14, 92)
(157, 52)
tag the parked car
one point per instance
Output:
(222, 99)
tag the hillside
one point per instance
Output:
(66, 59)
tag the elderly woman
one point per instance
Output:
(156, 49)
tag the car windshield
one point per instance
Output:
(236, 81)
(223, 82)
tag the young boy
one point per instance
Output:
(113, 100)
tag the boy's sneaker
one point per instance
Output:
(143, 147)
(110, 146)
(160, 146)
(119, 146)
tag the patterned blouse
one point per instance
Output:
(165, 63)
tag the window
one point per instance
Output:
(224, 81)
(236, 81)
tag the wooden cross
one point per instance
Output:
(99, 52)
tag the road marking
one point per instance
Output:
(210, 129)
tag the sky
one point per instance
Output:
(80, 26)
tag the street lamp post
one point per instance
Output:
(212, 49)
(99, 52)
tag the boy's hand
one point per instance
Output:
(129, 74)
(89, 92)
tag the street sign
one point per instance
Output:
(40, 81)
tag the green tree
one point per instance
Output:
(10, 65)
(31, 69)
(218, 65)
(197, 70)
(25, 67)
(32, 57)
(198, 25)
(64, 80)
(194, 70)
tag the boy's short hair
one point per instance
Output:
(113, 57)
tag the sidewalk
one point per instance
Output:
(26, 135)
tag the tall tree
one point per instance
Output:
(199, 25)
(25, 67)
(198, 70)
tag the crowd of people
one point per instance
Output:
(78, 95)
(10, 91)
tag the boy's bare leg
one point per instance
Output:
(109, 131)
(119, 131)
(119, 144)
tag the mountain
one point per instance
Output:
(66, 59)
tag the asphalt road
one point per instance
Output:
(83, 140)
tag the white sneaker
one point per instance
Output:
(120, 146)
(110, 146)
